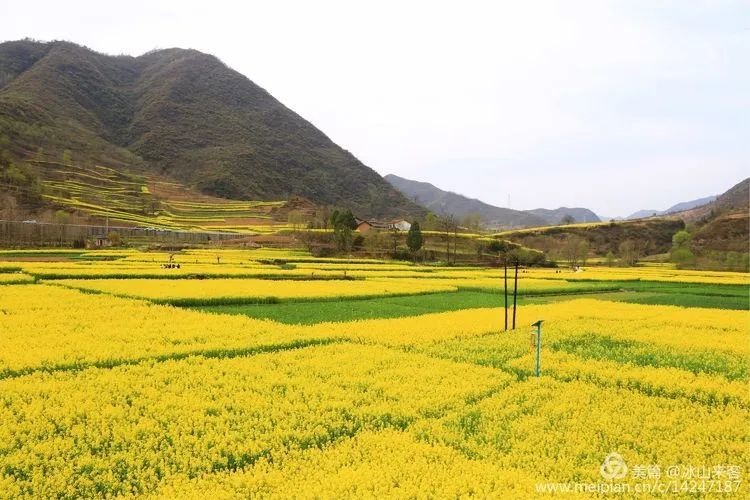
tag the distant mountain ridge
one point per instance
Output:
(735, 199)
(679, 207)
(557, 215)
(447, 202)
(182, 114)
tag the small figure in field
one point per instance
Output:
(218, 259)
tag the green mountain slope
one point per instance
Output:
(183, 114)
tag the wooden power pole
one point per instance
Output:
(505, 265)
(515, 294)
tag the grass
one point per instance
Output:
(350, 310)
(710, 296)
(735, 297)
(650, 298)
(686, 300)
(641, 354)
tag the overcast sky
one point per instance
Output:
(612, 105)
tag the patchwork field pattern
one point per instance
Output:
(108, 388)
(143, 200)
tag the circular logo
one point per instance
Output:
(614, 467)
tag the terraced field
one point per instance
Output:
(148, 201)
(365, 378)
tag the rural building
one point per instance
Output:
(364, 226)
(101, 242)
(399, 224)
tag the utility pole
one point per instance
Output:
(505, 265)
(538, 343)
(515, 294)
(455, 239)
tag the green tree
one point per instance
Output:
(683, 257)
(346, 219)
(13, 174)
(681, 239)
(568, 219)
(610, 259)
(431, 222)
(343, 238)
(414, 238)
(499, 246)
(681, 253)
(343, 225)
(334, 218)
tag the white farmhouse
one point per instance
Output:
(399, 224)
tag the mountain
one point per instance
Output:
(721, 234)
(653, 236)
(680, 207)
(556, 216)
(687, 205)
(439, 201)
(182, 114)
(640, 214)
(735, 199)
(446, 202)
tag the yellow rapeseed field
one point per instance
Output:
(191, 291)
(8, 278)
(112, 386)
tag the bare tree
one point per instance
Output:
(571, 251)
(473, 222)
(63, 218)
(296, 219)
(447, 224)
(583, 251)
(630, 252)
(377, 242)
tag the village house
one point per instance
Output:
(101, 242)
(399, 224)
(364, 226)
